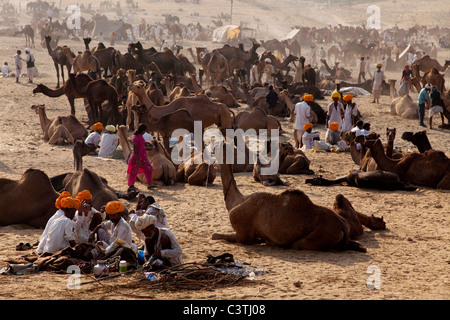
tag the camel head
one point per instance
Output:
(37, 107)
(137, 86)
(139, 108)
(39, 88)
(368, 140)
(286, 148)
(390, 134)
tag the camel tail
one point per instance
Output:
(165, 174)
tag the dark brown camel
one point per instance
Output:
(419, 139)
(59, 59)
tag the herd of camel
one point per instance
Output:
(161, 90)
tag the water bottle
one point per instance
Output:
(122, 267)
(151, 276)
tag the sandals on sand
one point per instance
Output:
(22, 247)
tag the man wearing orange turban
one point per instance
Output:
(335, 113)
(114, 228)
(87, 217)
(58, 214)
(93, 140)
(60, 232)
(309, 136)
(302, 115)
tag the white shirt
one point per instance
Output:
(59, 235)
(121, 230)
(94, 138)
(302, 113)
(308, 139)
(108, 144)
(378, 78)
(18, 61)
(147, 137)
(174, 255)
(82, 223)
(6, 69)
(335, 114)
(358, 131)
(349, 112)
(43, 240)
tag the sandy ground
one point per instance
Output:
(411, 255)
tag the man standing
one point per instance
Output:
(302, 114)
(335, 114)
(268, 71)
(272, 99)
(377, 86)
(18, 63)
(362, 70)
(30, 65)
(423, 98)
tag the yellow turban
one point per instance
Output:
(307, 126)
(348, 97)
(97, 126)
(113, 207)
(308, 97)
(334, 126)
(335, 95)
(84, 195)
(63, 195)
(71, 203)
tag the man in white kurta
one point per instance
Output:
(108, 142)
(302, 114)
(335, 113)
(351, 111)
(59, 235)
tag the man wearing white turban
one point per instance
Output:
(160, 243)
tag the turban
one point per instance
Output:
(97, 126)
(379, 65)
(70, 203)
(334, 126)
(335, 95)
(84, 195)
(144, 221)
(110, 128)
(63, 195)
(348, 97)
(307, 126)
(308, 97)
(113, 207)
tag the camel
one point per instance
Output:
(83, 62)
(291, 106)
(374, 179)
(28, 32)
(295, 162)
(166, 61)
(164, 171)
(272, 179)
(297, 224)
(62, 129)
(199, 107)
(195, 171)
(403, 106)
(435, 78)
(77, 181)
(425, 64)
(257, 119)
(70, 89)
(167, 124)
(59, 59)
(222, 95)
(217, 69)
(430, 169)
(419, 139)
(36, 188)
(105, 57)
(81, 149)
(337, 72)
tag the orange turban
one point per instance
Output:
(113, 207)
(307, 126)
(70, 203)
(334, 126)
(84, 195)
(97, 126)
(63, 195)
(348, 97)
(308, 97)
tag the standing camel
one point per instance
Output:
(28, 32)
(59, 59)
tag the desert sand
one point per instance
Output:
(411, 255)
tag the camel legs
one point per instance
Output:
(57, 73)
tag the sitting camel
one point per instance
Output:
(375, 179)
(164, 171)
(403, 106)
(62, 129)
(297, 224)
(272, 179)
(295, 162)
(195, 171)
(419, 139)
(34, 188)
(430, 169)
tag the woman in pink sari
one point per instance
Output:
(139, 161)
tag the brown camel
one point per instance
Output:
(403, 106)
(164, 171)
(222, 94)
(425, 64)
(199, 107)
(257, 119)
(217, 69)
(70, 89)
(62, 129)
(36, 188)
(166, 125)
(430, 169)
(195, 171)
(368, 163)
(272, 179)
(83, 62)
(59, 59)
(435, 78)
(419, 139)
(105, 57)
(295, 162)
(297, 224)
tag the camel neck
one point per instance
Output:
(45, 122)
(231, 193)
(381, 159)
(52, 93)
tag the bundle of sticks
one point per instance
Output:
(193, 276)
